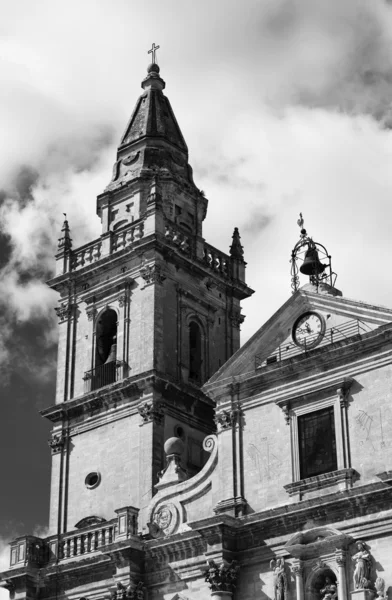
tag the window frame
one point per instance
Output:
(314, 406)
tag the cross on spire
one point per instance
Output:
(152, 51)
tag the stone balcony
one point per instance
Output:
(90, 538)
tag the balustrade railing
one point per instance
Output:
(86, 255)
(105, 374)
(176, 237)
(131, 234)
(216, 260)
(31, 551)
(90, 253)
(85, 543)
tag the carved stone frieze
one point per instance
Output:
(151, 411)
(56, 443)
(152, 274)
(222, 578)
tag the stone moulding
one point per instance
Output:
(167, 512)
(320, 481)
(316, 541)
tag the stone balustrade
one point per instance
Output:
(116, 241)
(85, 543)
(174, 236)
(127, 236)
(216, 260)
(86, 255)
(31, 551)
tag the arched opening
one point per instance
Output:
(195, 352)
(322, 585)
(106, 349)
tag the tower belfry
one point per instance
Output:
(147, 313)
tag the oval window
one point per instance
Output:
(92, 480)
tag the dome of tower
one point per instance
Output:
(153, 68)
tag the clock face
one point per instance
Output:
(308, 330)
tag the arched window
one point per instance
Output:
(106, 349)
(195, 352)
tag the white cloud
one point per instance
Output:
(280, 103)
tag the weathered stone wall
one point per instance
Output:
(113, 451)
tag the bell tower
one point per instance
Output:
(147, 313)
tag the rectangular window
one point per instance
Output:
(317, 443)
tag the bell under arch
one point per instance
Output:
(105, 367)
(106, 337)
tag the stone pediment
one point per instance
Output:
(340, 319)
(316, 541)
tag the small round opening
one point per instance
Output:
(92, 480)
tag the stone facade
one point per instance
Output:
(244, 504)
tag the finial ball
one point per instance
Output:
(174, 446)
(153, 68)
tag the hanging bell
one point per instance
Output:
(312, 265)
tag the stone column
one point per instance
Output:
(298, 571)
(341, 562)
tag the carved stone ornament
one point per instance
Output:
(297, 569)
(64, 311)
(135, 591)
(340, 558)
(122, 300)
(91, 313)
(362, 561)
(152, 274)
(329, 590)
(226, 418)
(343, 392)
(222, 578)
(151, 412)
(166, 520)
(280, 579)
(380, 587)
(56, 443)
(236, 319)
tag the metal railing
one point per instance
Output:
(105, 375)
(332, 335)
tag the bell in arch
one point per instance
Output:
(312, 265)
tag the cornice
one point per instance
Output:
(124, 396)
(341, 360)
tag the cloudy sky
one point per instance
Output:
(285, 106)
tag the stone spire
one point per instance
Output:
(153, 116)
(236, 250)
(65, 242)
(152, 141)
